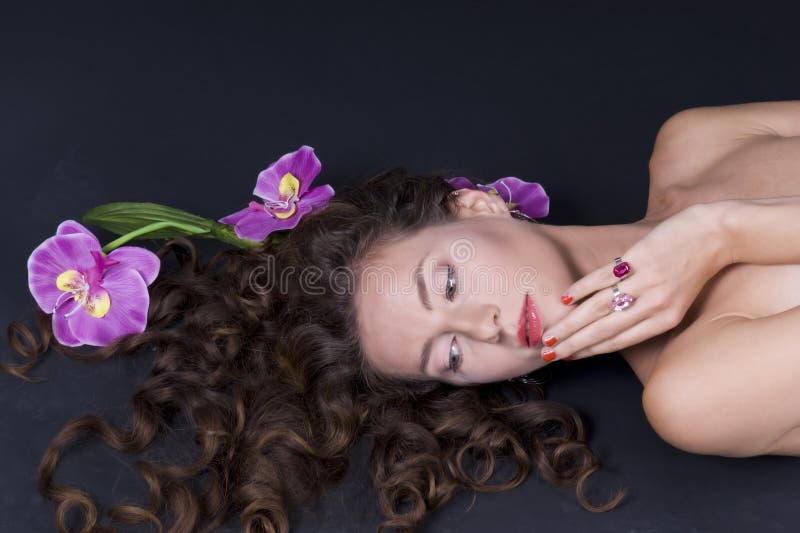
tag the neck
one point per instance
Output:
(588, 248)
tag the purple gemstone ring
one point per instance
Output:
(621, 301)
(621, 267)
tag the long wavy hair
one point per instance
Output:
(277, 390)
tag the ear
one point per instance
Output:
(474, 202)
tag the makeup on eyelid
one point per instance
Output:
(451, 285)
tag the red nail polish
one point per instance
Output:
(566, 299)
(548, 355)
(549, 341)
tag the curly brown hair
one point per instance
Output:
(277, 389)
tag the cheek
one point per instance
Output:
(496, 363)
(496, 254)
(496, 235)
(494, 278)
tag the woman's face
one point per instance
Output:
(473, 274)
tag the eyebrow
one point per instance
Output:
(422, 291)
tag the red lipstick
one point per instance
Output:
(529, 327)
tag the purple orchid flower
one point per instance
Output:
(94, 298)
(528, 198)
(283, 186)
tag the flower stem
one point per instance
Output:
(116, 243)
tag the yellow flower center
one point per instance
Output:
(287, 189)
(287, 192)
(96, 303)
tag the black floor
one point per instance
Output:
(185, 105)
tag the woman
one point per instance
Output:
(691, 350)
(279, 384)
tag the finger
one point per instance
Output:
(471, 198)
(592, 310)
(592, 282)
(642, 331)
(500, 204)
(597, 332)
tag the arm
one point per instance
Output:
(764, 231)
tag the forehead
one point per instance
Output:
(390, 313)
(388, 306)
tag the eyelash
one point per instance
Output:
(451, 286)
(453, 365)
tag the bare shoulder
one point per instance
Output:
(729, 387)
(692, 141)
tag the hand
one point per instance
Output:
(669, 267)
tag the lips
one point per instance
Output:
(529, 327)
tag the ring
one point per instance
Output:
(621, 267)
(621, 300)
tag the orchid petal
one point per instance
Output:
(145, 262)
(302, 210)
(60, 324)
(257, 226)
(526, 197)
(461, 182)
(302, 164)
(72, 226)
(276, 224)
(317, 197)
(234, 218)
(55, 255)
(254, 225)
(127, 312)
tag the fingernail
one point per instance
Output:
(550, 340)
(566, 299)
(548, 355)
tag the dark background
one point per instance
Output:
(183, 104)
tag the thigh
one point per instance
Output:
(730, 386)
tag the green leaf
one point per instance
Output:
(125, 217)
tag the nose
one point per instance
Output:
(480, 322)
